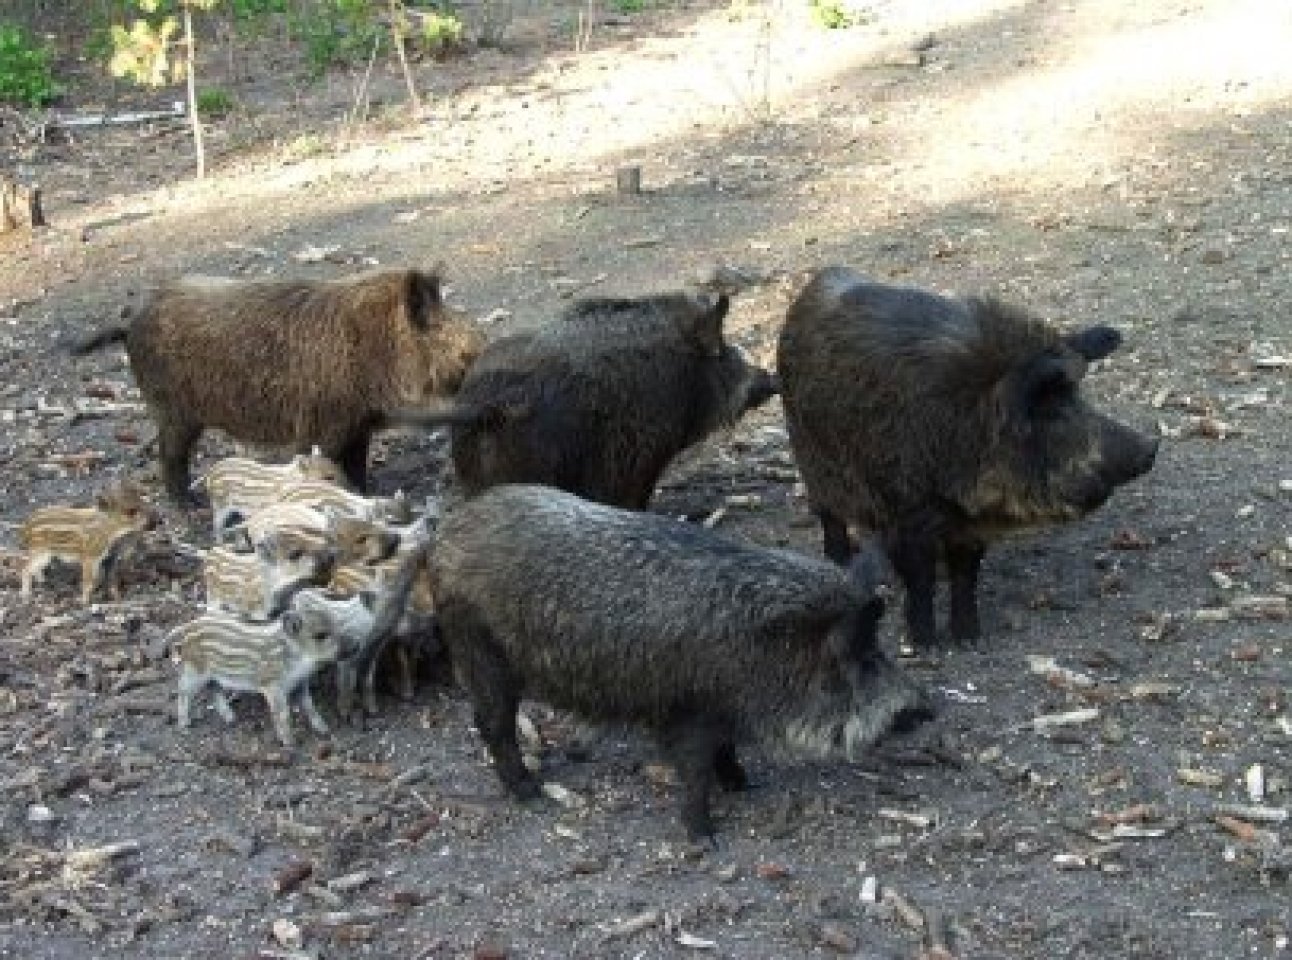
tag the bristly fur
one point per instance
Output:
(941, 423)
(599, 401)
(625, 616)
(291, 362)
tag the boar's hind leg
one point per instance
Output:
(835, 534)
(914, 557)
(964, 558)
(495, 695)
(695, 750)
(727, 768)
(175, 439)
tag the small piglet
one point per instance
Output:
(275, 658)
(259, 584)
(94, 537)
(237, 486)
(368, 619)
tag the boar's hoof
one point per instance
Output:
(525, 788)
(909, 719)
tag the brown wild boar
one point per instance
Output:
(940, 424)
(290, 362)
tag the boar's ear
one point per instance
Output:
(1094, 343)
(421, 297)
(293, 626)
(704, 327)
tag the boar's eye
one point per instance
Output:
(295, 555)
(1047, 388)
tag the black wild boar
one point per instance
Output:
(290, 362)
(601, 400)
(634, 617)
(941, 424)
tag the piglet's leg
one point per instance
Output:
(312, 715)
(189, 683)
(281, 714)
(223, 707)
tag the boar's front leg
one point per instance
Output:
(914, 557)
(353, 458)
(834, 533)
(964, 559)
(175, 439)
(727, 768)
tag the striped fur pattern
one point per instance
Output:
(95, 537)
(276, 659)
(320, 494)
(297, 516)
(259, 584)
(238, 486)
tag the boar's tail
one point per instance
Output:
(458, 415)
(97, 341)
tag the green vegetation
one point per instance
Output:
(214, 102)
(628, 6)
(834, 14)
(440, 32)
(26, 78)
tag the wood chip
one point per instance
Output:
(1199, 778)
(288, 878)
(633, 925)
(1053, 721)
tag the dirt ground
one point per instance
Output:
(1099, 161)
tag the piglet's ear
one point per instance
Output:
(704, 327)
(1095, 343)
(421, 297)
(292, 625)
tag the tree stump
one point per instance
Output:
(628, 180)
(19, 206)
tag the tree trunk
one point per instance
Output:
(397, 21)
(19, 206)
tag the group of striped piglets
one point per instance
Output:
(924, 427)
(311, 575)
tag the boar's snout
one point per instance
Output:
(1127, 454)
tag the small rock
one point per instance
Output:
(39, 813)
(287, 934)
(838, 939)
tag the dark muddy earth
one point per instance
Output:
(1113, 767)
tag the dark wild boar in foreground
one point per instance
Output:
(601, 400)
(296, 362)
(940, 424)
(634, 617)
